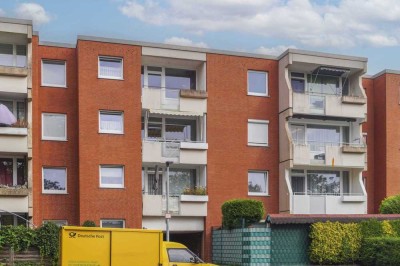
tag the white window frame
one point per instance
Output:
(112, 185)
(257, 121)
(110, 77)
(266, 83)
(266, 175)
(65, 73)
(112, 220)
(54, 138)
(55, 191)
(121, 113)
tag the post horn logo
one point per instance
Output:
(72, 234)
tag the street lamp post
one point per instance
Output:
(167, 214)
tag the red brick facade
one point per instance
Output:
(229, 156)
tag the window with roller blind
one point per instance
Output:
(112, 176)
(257, 132)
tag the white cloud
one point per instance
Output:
(32, 11)
(342, 23)
(184, 42)
(276, 50)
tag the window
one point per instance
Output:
(18, 108)
(257, 83)
(12, 55)
(257, 132)
(12, 171)
(258, 183)
(9, 219)
(171, 79)
(54, 126)
(180, 179)
(54, 180)
(111, 122)
(111, 176)
(54, 73)
(112, 223)
(111, 67)
(298, 82)
(170, 129)
(182, 255)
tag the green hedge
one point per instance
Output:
(390, 205)
(335, 243)
(89, 223)
(234, 211)
(20, 238)
(380, 251)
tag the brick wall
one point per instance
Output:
(229, 156)
(55, 153)
(95, 149)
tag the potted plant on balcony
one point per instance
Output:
(196, 194)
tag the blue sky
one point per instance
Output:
(368, 28)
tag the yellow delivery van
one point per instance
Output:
(93, 246)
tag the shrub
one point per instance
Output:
(89, 223)
(396, 226)
(233, 211)
(380, 251)
(47, 240)
(335, 243)
(19, 238)
(195, 191)
(390, 205)
(371, 228)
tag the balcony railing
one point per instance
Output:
(328, 203)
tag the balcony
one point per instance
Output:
(183, 205)
(194, 153)
(192, 102)
(329, 105)
(355, 203)
(326, 154)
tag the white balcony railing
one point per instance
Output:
(330, 153)
(156, 151)
(155, 205)
(329, 203)
(328, 104)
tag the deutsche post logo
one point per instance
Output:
(72, 234)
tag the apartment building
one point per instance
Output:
(105, 126)
(322, 149)
(15, 121)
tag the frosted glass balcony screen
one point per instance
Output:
(21, 56)
(53, 73)
(54, 126)
(6, 55)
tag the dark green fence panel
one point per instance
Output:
(290, 244)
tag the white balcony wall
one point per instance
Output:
(333, 106)
(189, 153)
(193, 105)
(154, 205)
(14, 143)
(326, 204)
(155, 99)
(333, 156)
(14, 204)
(14, 85)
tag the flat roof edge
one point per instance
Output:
(16, 21)
(321, 54)
(174, 47)
(386, 71)
(57, 44)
